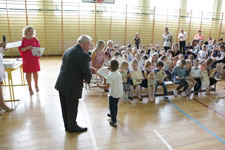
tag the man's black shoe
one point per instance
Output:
(77, 129)
(114, 124)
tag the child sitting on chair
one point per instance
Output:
(126, 86)
(191, 81)
(220, 61)
(160, 75)
(167, 65)
(149, 81)
(179, 77)
(115, 85)
(136, 79)
(196, 74)
(205, 76)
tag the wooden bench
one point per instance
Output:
(171, 86)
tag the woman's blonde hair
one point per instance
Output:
(26, 29)
(99, 44)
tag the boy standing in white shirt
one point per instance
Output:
(115, 85)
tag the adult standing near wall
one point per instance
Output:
(31, 64)
(182, 40)
(74, 70)
(199, 36)
(167, 39)
(137, 40)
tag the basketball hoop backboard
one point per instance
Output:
(99, 1)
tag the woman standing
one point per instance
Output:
(97, 56)
(199, 36)
(167, 39)
(31, 64)
(2, 77)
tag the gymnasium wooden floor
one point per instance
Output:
(183, 124)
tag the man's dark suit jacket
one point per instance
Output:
(74, 70)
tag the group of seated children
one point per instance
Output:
(141, 68)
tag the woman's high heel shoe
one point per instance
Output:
(31, 92)
(37, 88)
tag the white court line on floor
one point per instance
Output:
(163, 140)
(90, 129)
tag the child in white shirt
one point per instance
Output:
(117, 57)
(203, 54)
(196, 74)
(115, 85)
(136, 80)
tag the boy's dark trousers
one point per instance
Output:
(183, 83)
(113, 107)
(164, 87)
(198, 84)
(169, 74)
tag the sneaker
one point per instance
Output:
(109, 115)
(196, 93)
(175, 92)
(114, 124)
(166, 98)
(139, 97)
(183, 94)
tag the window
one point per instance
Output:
(73, 6)
(199, 6)
(18, 7)
(166, 9)
(164, 4)
(119, 8)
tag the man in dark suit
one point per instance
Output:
(74, 70)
